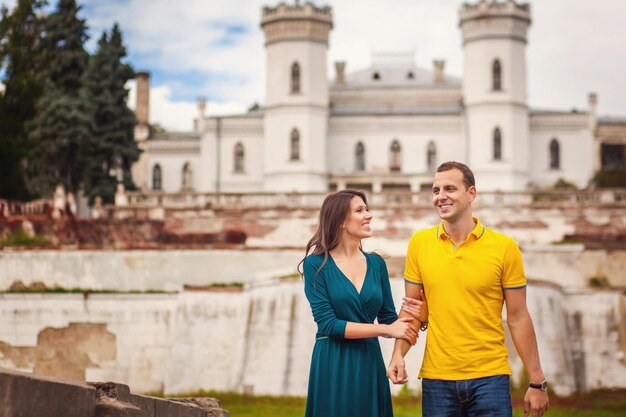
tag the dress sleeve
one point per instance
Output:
(387, 313)
(316, 292)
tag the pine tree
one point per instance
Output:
(62, 124)
(111, 150)
(20, 35)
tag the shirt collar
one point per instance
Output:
(478, 231)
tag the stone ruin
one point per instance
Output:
(30, 395)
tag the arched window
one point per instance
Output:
(295, 77)
(187, 176)
(295, 145)
(497, 144)
(395, 157)
(431, 157)
(238, 165)
(156, 177)
(555, 154)
(359, 154)
(496, 70)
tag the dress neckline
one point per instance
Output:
(367, 268)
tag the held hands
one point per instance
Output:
(416, 308)
(535, 402)
(403, 329)
(396, 371)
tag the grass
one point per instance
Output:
(20, 238)
(236, 284)
(62, 290)
(603, 403)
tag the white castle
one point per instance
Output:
(385, 127)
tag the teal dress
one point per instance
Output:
(348, 376)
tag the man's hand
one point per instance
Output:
(396, 371)
(535, 402)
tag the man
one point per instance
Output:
(467, 272)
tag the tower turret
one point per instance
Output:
(494, 92)
(296, 97)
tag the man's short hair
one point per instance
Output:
(468, 175)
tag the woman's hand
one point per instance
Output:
(403, 329)
(416, 308)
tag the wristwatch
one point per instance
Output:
(543, 386)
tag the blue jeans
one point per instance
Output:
(485, 397)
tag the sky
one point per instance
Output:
(214, 48)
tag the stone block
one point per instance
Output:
(210, 405)
(28, 395)
(113, 401)
(146, 404)
(168, 408)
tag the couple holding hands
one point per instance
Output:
(458, 276)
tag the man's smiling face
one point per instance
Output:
(450, 197)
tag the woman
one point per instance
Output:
(348, 289)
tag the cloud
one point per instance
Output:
(178, 116)
(215, 49)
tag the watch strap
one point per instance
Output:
(542, 386)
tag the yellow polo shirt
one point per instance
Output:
(464, 285)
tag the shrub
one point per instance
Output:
(610, 179)
(599, 282)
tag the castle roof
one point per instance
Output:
(404, 77)
(395, 69)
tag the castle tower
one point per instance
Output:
(296, 97)
(494, 93)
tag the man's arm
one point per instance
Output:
(523, 334)
(396, 371)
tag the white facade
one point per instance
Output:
(387, 126)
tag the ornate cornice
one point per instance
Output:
(493, 20)
(614, 133)
(484, 9)
(296, 23)
(236, 126)
(405, 97)
(404, 125)
(173, 147)
(562, 121)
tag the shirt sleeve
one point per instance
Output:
(513, 275)
(316, 292)
(387, 313)
(411, 268)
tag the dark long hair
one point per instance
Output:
(334, 210)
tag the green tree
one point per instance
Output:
(62, 124)
(111, 149)
(20, 36)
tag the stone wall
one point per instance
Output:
(259, 339)
(597, 225)
(570, 266)
(23, 394)
(143, 270)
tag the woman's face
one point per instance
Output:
(357, 222)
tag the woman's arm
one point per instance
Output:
(329, 325)
(399, 329)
